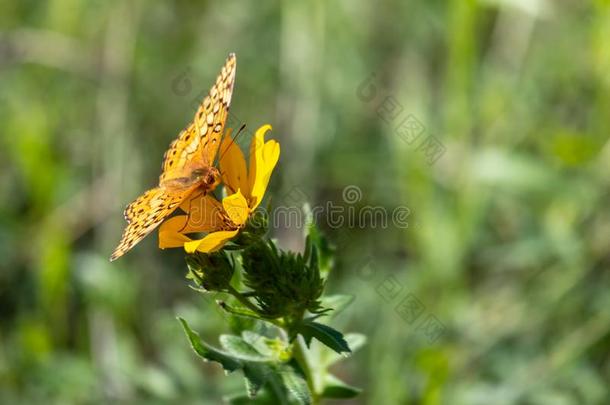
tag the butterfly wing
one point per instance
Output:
(211, 115)
(181, 151)
(200, 140)
(146, 213)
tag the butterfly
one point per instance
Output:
(188, 164)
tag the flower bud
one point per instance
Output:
(212, 271)
(284, 284)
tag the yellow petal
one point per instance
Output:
(233, 165)
(263, 158)
(204, 214)
(169, 233)
(263, 174)
(211, 242)
(236, 207)
(256, 148)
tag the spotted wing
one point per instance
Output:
(212, 114)
(200, 139)
(181, 151)
(145, 214)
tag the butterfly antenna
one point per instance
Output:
(239, 131)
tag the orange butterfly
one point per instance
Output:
(188, 164)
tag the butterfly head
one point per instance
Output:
(208, 177)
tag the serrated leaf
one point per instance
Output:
(325, 334)
(257, 341)
(240, 349)
(256, 376)
(208, 352)
(337, 389)
(296, 384)
(354, 340)
(284, 381)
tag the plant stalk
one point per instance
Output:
(298, 353)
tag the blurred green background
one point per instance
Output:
(509, 230)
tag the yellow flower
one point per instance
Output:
(245, 188)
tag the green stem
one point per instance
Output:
(298, 353)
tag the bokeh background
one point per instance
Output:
(509, 229)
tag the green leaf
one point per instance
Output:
(259, 370)
(240, 349)
(354, 340)
(296, 384)
(257, 367)
(207, 352)
(337, 389)
(259, 342)
(256, 376)
(325, 334)
(275, 349)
